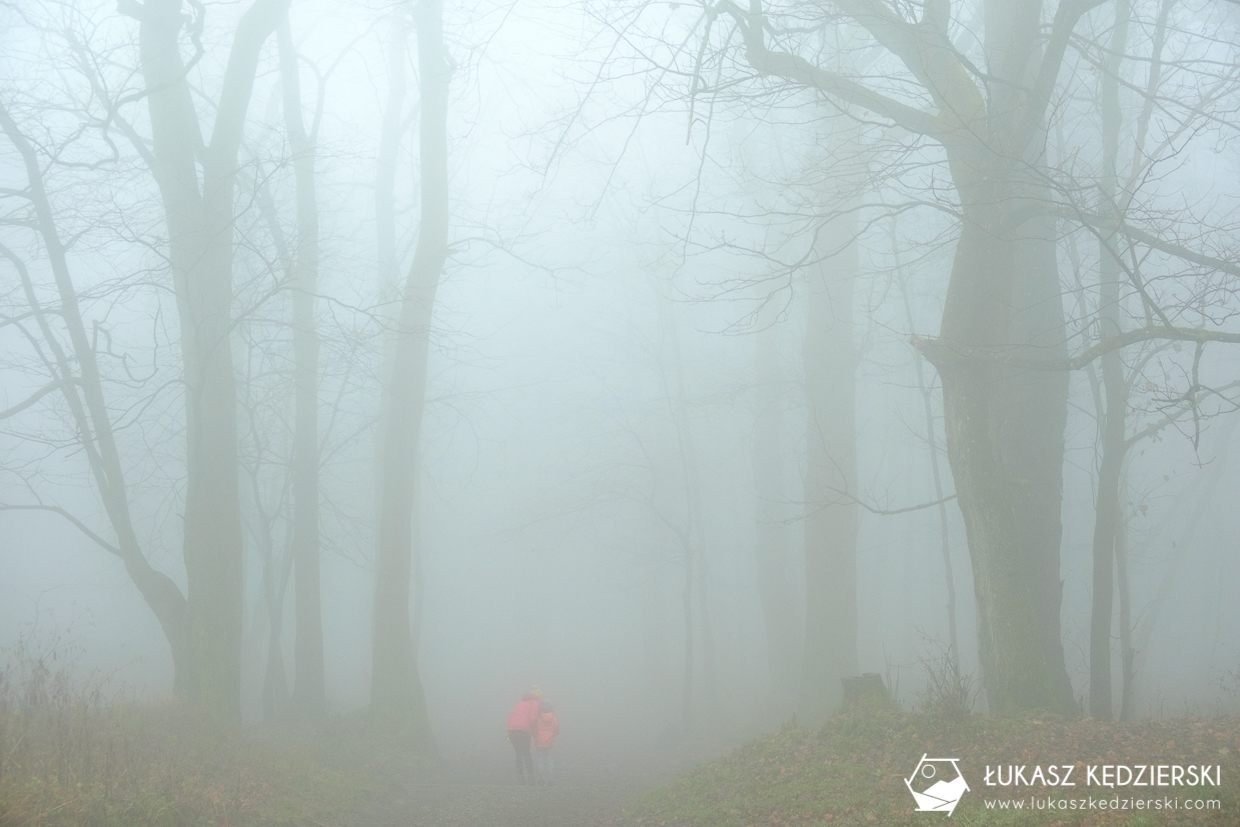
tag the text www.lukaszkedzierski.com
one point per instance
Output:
(1090, 803)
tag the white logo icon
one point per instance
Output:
(936, 784)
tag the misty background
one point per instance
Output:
(645, 241)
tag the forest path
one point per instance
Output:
(449, 804)
(590, 791)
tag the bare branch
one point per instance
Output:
(55, 509)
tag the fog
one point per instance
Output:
(613, 349)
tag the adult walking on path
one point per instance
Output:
(520, 733)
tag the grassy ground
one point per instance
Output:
(71, 757)
(77, 764)
(852, 771)
(71, 754)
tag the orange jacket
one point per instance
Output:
(546, 727)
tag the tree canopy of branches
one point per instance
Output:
(984, 83)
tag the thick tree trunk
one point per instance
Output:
(212, 542)
(1005, 431)
(1005, 427)
(396, 689)
(775, 588)
(200, 239)
(830, 651)
(309, 698)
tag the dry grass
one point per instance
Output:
(72, 755)
(850, 773)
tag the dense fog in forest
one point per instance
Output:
(390, 358)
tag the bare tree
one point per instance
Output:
(831, 472)
(308, 685)
(1001, 352)
(82, 388)
(927, 400)
(396, 693)
(197, 183)
(772, 552)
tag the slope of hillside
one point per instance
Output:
(853, 771)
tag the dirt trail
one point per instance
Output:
(484, 793)
(449, 804)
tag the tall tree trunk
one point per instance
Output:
(1202, 500)
(691, 534)
(686, 609)
(396, 694)
(391, 132)
(309, 694)
(830, 652)
(1106, 526)
(1005, 428)
(932, 442)
(779, 609)
(276, 572)
(90, 411)
(1114, 446)
(697, 526)
(1127, 653)
(200, 241)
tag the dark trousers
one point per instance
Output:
(521, 743)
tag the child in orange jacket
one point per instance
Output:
(546, 727)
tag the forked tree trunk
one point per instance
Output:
(200, 240)
(396, 694)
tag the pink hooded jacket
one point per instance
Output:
(523, 714)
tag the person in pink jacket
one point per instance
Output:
(546, 727)
(520, 732)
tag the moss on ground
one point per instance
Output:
(851, 772)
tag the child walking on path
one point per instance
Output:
(520, 732)
(546, 727)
